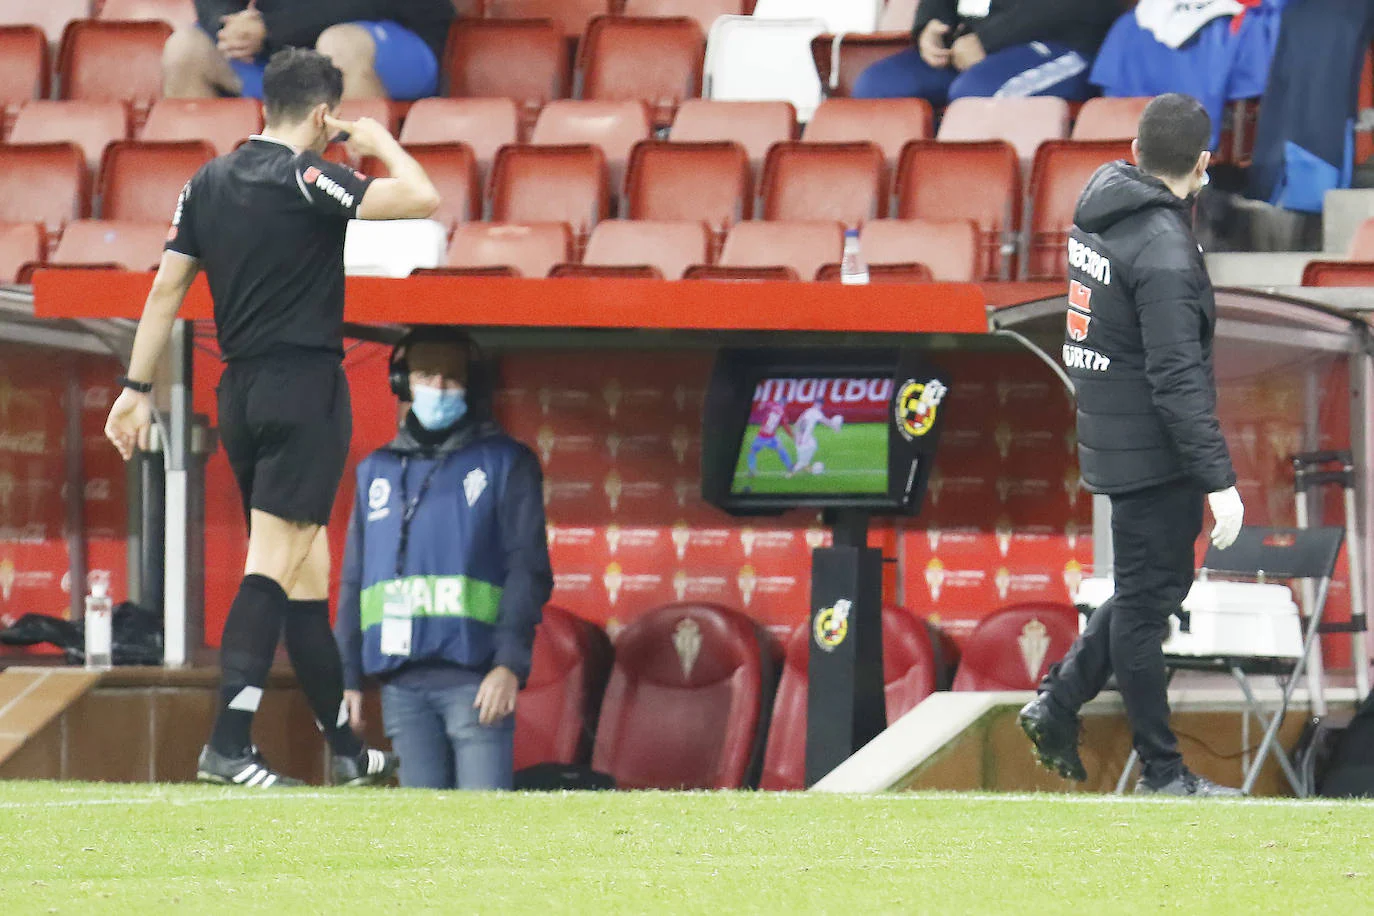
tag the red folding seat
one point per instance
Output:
(485, 125)
(948, 247)
(92, 126)
(705, 12)
(1109, 119)
(44, 183)
(116, 243)
(551, 184)
(670, 247)
(379, 110)
(912, 670)
(1362, 242)
(614, 127)
(175, 13)
(452, 168)
(20, 244)
(1024, 122)
(890, 123)
(709, 182)
(529, 249)
(841, 58)
(840, 181)
(1338, 273)
(523, 60)
(803, 246)
(1062, 169)
(756, 126)
(223, 123)
(23, 70)
(687, 701)
(1013, 648)
(738, 273)
(571, 15)
(113, 61)
(975, 181)
(655, 61)
(49, 16)
(555, 720)
(140, 182)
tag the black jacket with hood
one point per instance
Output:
(298, 23)
(1080, 24)
(1138, 342)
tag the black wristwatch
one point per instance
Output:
(141, 387)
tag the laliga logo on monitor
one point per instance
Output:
(687, 643)
(1002, 579)
(747, 581)
(935, 577)
(681, 441)
(682, 536)
(680, 585)
(613, 580)
(832, 625)
(1003, 532)
(7, 577)
(1035, 645)
(746, 540)
(916, 407)
(1073, 577)
(612, 538)
(612, 394)
(546, 440)
(613, 487)
(1003, 436)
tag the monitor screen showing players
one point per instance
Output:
(815, 436)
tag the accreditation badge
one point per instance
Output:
(396, 626)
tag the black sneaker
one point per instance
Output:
(370, 768)
(249, 771)
(1055, 736)
(1188, 785)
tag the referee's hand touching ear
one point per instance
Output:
(408, 193)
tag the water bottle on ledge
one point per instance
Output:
(853, 267)
(99, 627)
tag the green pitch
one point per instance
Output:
(93, 849)
(855, 460)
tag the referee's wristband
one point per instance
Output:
(141, 387)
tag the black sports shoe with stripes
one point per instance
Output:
(249, 771)
(370, 768)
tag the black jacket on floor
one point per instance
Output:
(1138, 341)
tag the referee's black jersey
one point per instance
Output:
(267, 225)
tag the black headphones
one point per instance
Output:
(398, 371)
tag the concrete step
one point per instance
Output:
(31, 699)
(1342, 213)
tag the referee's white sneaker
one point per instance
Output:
(250, 771)
(1188, 785)
(370, 768)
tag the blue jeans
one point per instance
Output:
(440, 742)
(1036, 68)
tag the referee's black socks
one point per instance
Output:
(250, 640)
(315, 656)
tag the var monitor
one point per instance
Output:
(853, 429)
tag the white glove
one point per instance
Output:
(1229, 512)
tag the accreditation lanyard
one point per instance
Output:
(410, 506)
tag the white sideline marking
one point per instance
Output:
(167, 800)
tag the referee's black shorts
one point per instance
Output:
(286, 423)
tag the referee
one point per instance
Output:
(267, 225)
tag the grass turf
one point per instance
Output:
(855, 460)
(89, 849)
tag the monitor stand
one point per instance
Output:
(845, 707)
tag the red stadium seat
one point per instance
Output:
(841, 58)
(23, 70)
(113, 61)
(20, 244)
(1025, 123)
(551, 184)
(839, 181)
(379, 110)
(452, 168)
(1362, 242)
(223, 123)
(140, 182)
(175, 13)
(671, 247)
(709, 182)
(531, 250)
(803, 246)
(739, 274)
(1062, 169)
(756, 126)
(909, 272)
(1109, 119)
(1338, 273)
(485, 125)
(912, 671)
(92, 126)
(555, 720)
(948, 247)
(890, 123)
(571, 15)
(606, 272)
(655, 61)
(1013, 648)
(523, 60)
(687, 701)
(50, 16)
(91, 242)
(705, 12)
(614, 127)
(44, 183)
(975, 181)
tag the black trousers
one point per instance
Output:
(1153, 532)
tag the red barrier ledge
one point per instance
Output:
(930, 308)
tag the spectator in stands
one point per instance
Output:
(385, 48)
(446, 573)
(984, 48)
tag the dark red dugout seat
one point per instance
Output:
(43, 183)
(913, 669)
(555, 720)
(522, 59)
(811, 181)
(1012, 649)
(687, 702)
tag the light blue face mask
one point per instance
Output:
(438, 408)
